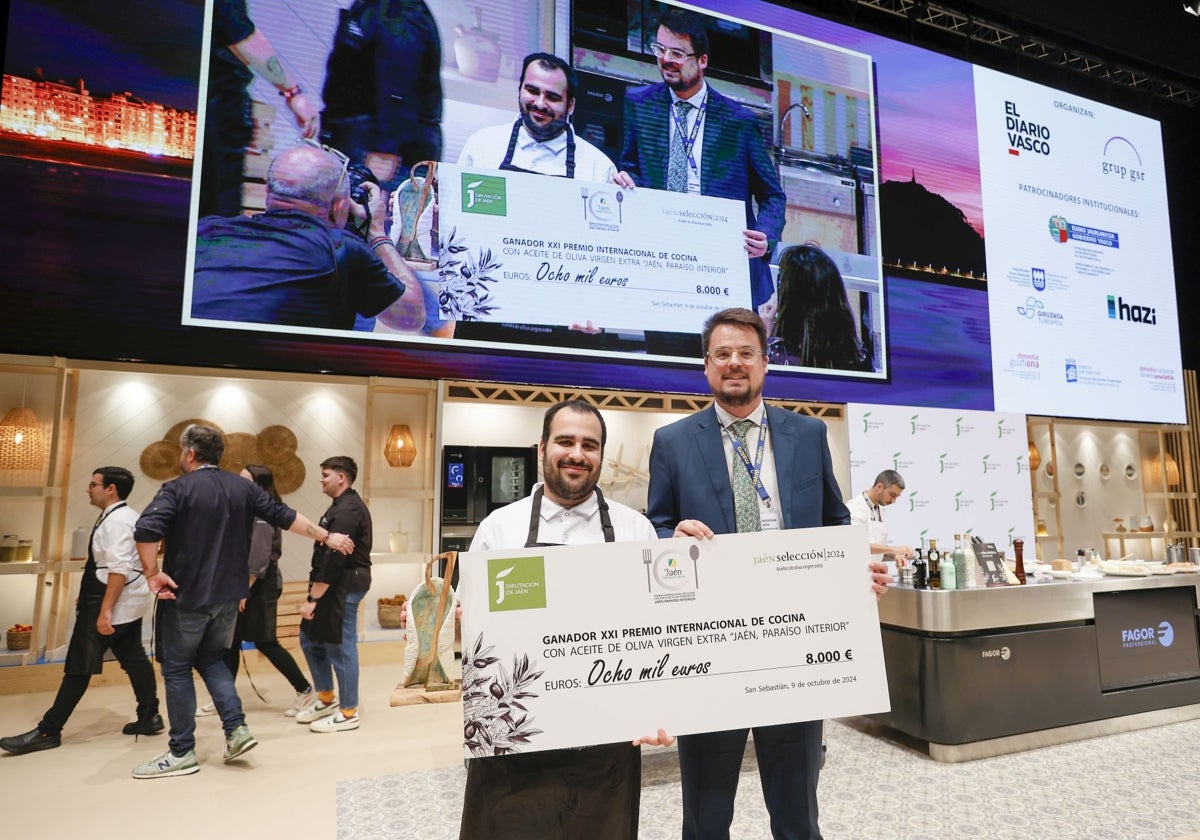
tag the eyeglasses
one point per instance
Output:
(671, 53)
(92, 484)
(306, 141)
(745, 355)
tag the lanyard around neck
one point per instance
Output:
(755, 468)
(689, 138)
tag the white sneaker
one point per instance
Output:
(335, 723)
(206, 710)
(167, 764)
(317, 711)
(304, 700)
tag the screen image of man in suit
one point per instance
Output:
(741, 465)
(683, 135)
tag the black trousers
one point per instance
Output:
(789, 764)
(85, 657)
(277, 655)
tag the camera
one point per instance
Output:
(358, 175)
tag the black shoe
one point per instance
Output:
(31, 741)
(144, 726)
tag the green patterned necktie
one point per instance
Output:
(677, 163)
(745, 497)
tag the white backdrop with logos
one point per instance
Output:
(966, 472)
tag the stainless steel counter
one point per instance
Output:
(983, 672)
(1005, 607)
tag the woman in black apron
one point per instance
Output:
(258, 618)
(591, 792)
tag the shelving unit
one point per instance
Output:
(1050, 497)
(1168, 537)
(52, 388)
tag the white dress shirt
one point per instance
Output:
(116, 553)
(733, 462)
(579, 525)
(486, 149)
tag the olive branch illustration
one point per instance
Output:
(497, 721)
(464, 278)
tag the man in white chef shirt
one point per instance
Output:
(866, 508)
(541, 140)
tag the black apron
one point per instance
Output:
(591, 792)
(85, 651)
(507, 164)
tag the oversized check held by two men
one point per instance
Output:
(531, 249)
(576, 645)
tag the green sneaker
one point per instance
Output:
(168, 764)
(238, 742)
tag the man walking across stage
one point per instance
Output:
(734, 467)
(560, 794)
(113, 597)
(206, 517)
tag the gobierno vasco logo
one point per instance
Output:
(1135, 637)
(517, 583)
(486, 194)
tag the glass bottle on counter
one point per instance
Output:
(935, 566)
(959, 558)
(948, 573)
(920, 571)
(972, 558)
(1019, 553)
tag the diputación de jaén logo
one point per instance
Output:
(486, 194)
(517, 583)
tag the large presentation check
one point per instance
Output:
(534, 249)
(576, 645)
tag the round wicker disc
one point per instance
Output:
(160, 460)
(276, 443)
(172, 436)
(289, 475)
(241, 448)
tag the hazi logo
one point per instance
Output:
(1119, 310)
(1024, 135)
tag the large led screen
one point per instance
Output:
(995, 244)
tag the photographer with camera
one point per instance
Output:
(296, 264)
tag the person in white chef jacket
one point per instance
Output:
(867, 508)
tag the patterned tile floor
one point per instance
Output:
(1132, 786)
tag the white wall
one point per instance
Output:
(630, 434)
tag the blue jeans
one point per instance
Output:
(197, 639)
(327, 660)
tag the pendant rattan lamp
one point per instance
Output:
(22, 441)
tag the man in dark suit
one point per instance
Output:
(738, 466)
(711, 145)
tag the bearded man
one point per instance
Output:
(560, 794)
(541, 141)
